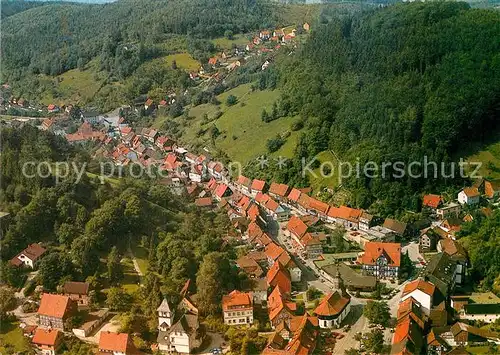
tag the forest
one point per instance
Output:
(395, 84)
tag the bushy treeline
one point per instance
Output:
(396, 84)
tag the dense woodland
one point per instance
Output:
(395, 84)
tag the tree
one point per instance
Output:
(231, 100)
(54, 268)
(351, 351)
(377, 312)
(118, 299)
(7, 300)
(174, 64)
(229, 34)
(375, 341)
(212, 281)
(115, 272)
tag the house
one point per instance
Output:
(77, 291)
(411, 308)
(115, 343)
(244, 184)
(279, 307)
(148, 104)
(216, 169)
(492, 189)
(457, 252)
(179, 331)
(396, 226)
(463, 335)
(296, 228)
(333, 309)
(352, 279)
(204, 202)
(264, 35)
(48, 124)
(312, 245)
(432, 201)
(318, 208)
(257, 186)
(29, 257)
(441, 270)
(293, 197)
(48, 341)
(279, 276)
(381, 259)
(345, 216)
(430, 237)
(238, 308)
(452, 225)
(93, 321)
(90, 116)
(222, 191)
(297, 336)
(422, 292)
(365, 221)
(278, 191)
(52, 108)
(449, 210)
(408, 338)
(54, 310)
(250, 267)
(469, 196)
(276, 210)
(484, 307)
(213, 62)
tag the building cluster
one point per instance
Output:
(431, 321)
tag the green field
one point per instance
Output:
(332, 178)
(12, 339)
(131, 279)
(141, 255)
(489, 156)
(238, 40)
(183, 61)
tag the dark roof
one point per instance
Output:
(395, 226)
(440, 271)
(350, 277)
(78, 288)
(476, 308)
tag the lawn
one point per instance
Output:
(238, 40)
(478, 349)
(141, 255)
(331, 179)
(131, 280)
(183, 61)
(489, 157)
(12, 339)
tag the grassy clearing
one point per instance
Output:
(12, 339)
(183, 61)
(131, 280)
(489, 157)
(332, 180)
(478, 349)
(141, 255)
(238, 40)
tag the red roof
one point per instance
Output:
(471, 192)
(278, 189)
(261, 198)
(54, 305)
(46, 337)
(432, 201)
(272, 205)
(273, 251)
(279, 276)
(297, 226)
(148, 102)
(318, 205)
(294, 195)
(344, 212)
(51, 107)
(221, 190)
(332, 305)
(203, 202)
(114, 342)
(258, 185)
(237, 300)
(243, 180)
(33, 252)
(374, 250)
(419, 284)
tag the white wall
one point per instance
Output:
(424, 299)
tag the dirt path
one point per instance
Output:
(134, 261)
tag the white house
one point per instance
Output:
(422, 291)
(183, 336)
(469, 196)
(238, 308)
(29, 256)
(333, 309)
(484, 307)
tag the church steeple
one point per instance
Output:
(165, 316)
(338, 283)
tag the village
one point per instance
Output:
(293, 262)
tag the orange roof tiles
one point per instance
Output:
(243, 180)
(113, 342)
(344, 212)
(221, 190)
(54, 305)
(273, 251)
(279, 276)
(432, 201)
(332, 305)
(258, 185)
(237, 300)
(471, 192)
(294, 195)
(278, 189)
(203, 202)
(419, 284)
(46, 337)
(297, 226)
(319, 206)
(374, 250)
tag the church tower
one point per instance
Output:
(165, 316)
